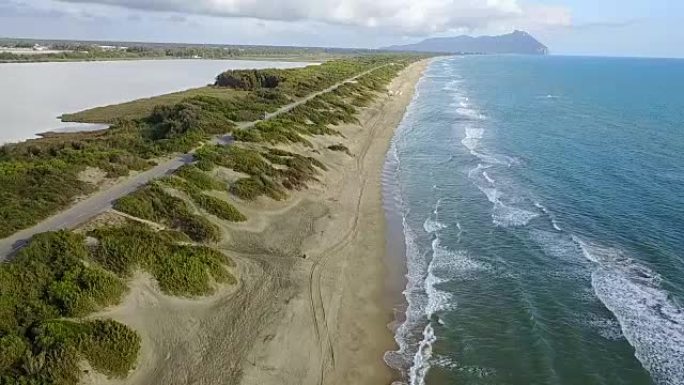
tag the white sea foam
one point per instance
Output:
(606, 328)
(493, 159)
(509, 216)
(474, 371)
(650, 320)
(445, 362)
(552, 217)
(562, 247)
(432, 226)
(444, 266)
(492, 194)
(476, 171)
(470, 113)
(449, 264)
(452, 85)
(438, 300)
(421, 360)
(416, 299)
(472, 138)
(505, 215)
(426, 299)
(489, 179)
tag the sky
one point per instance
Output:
(652, 28)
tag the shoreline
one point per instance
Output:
(311, 306)
(352, 278)
(242, 58)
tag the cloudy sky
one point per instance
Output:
(593, 27)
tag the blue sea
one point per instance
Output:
(542, 206)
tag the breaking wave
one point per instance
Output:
(650, 320)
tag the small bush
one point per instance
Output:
(218, 207)
(212, 205)
(340, 148)
(180, 269)
(54, 277)
(151, 202)
(199, 179)
(255, 186)
(110, 347)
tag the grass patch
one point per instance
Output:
(51, 278)
(40, 177)
(293, 171)
(193, 181)
(199, 179)
(56, 280)
(151, 202)
(141, 108)
(185, 270)
(255, 186)
(218, 207)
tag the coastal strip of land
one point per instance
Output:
(310, 305)
(260, 262)
(103, 200)
(42, 177)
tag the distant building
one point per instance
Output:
(38, 47)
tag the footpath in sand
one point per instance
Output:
(310, 307)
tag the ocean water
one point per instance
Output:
(542, 201)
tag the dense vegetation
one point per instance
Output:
(193, 181)
(248, 80)
(269, 171)
(48, 280)
(152, 203)
(75, 50)
(57, 279)
(180, 269)
(39, 177)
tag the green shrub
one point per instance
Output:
(249, 79)
(40, 177)
(339, 147)
(151, 202)
(54, 277)
(110, 347)
(255, 186)
(218, 207)
(247, 135)
(195, 181)
(189, 270)
(179, 269)
(12, 349)
(199, 179)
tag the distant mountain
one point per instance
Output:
(518, 42)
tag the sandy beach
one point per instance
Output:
(310, 307)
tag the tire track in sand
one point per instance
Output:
(315, 293)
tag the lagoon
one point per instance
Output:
(34, 95)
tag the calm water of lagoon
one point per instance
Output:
(34, 95)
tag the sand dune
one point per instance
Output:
(310, 306)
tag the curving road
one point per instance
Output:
(103, 200)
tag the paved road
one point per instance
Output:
(103, 200)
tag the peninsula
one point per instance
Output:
(232, 250)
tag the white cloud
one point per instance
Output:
(409, 17)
